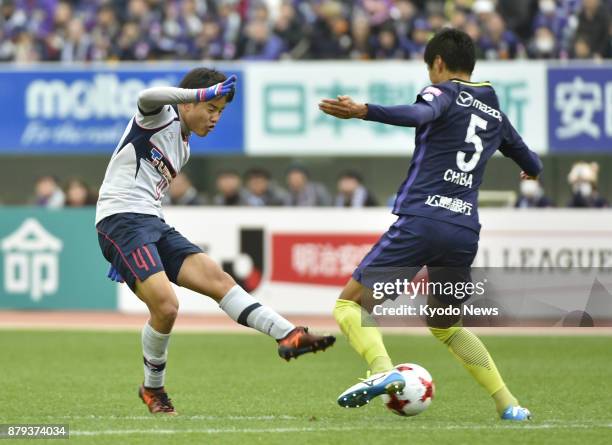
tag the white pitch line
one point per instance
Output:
(180, 417)
(332, 428)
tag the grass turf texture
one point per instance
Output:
(234, 389)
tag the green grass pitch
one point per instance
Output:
(233, 389)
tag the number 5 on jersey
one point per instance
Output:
(472, 138)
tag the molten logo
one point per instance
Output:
(105, 96)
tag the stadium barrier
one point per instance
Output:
(52, 108)
(51, 260)
(296, 260)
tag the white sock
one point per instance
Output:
(247, 311)
(155, 353)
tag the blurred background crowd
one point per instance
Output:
(102, 30)
(257, 188)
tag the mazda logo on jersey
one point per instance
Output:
(465, 99)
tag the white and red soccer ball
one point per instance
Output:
(417, 394)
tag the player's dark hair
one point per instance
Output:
(204, 78)
(456, 49)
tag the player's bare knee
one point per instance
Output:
(167, 310)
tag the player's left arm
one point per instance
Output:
(430, 104)
(515, 148)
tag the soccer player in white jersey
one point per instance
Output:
(149, 254)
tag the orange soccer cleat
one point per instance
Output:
(157, 400)
(299, 341)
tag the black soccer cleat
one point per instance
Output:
(299, 341)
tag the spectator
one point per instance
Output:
(519, 15)
(303, 192)
(473, 30)
(404, 15)
(532, 195)
(27, 49)
(594, 26)
(77, 46)
(352, 192)
(543, 45)
(288, 28)
(183, 193)
(377, 11)
(582, 48)
(361, 37)
(104, 31)
(419, 38)
(459, 19)
(209, 43)
(483, 9)
(386, 46)
(498, 43)
(48, 193)
(582, 179)
(330, 37)
(229, 190)
(272, 29)
(130, 44)
(79, 194)
(259, 43)
(551, 17)
(436, 22)
(262, 191)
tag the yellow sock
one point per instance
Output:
(367, 341)
(474, 357)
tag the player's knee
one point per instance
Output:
(167, 310)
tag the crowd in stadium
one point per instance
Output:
(77, 30)
(257, 188)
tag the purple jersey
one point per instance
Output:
(458, 128)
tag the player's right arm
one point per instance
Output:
(151, 100)
(431, 103)
(513, 147)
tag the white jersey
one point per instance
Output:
(151, 152)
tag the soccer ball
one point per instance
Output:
(417, 394)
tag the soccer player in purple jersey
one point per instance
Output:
(459, 126)
(149, 254)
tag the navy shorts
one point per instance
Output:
(447, 250)
(139, 246)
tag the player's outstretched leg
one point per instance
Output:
(200, 274)
(367, 342)
(475, 358)
(159, 296)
